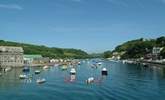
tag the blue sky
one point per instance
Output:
(90, 25)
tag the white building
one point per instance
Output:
(156, 50)
(11, 56)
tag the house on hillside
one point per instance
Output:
(117, 55)
(156, 52)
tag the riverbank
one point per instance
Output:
(156, 63)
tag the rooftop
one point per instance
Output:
(33, 56)
(10, 49)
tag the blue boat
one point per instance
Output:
(26, 69)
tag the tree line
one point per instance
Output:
(138, 48)
(45, 51)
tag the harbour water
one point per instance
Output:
(124, 82)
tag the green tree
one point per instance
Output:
(107, 54)
(160, 41)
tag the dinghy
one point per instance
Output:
(7, 69)
(22, 76)
(90, 80)
(104, 72)
(26, 69)
(73, 71)
(45, 67)
(40, 81)
(37, 72)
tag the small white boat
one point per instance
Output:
(7, 69)
(73, 71)
(40, 81)
(0, 74)
(64, 67)
(22, 76)
(37, 72)
(45, 67)
(55, 65)
(90, 80)
(79, 63)
(99, 63)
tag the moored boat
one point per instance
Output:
(7, 69)
(73, 71)
(26, 69)
(145, 64)
(22, 76)
(64, 67)
(40, 81)
(55, 65)
(79, 63)
(90, 80)
(37, 72)
(104, 72)
(45, 67)
(99, 63)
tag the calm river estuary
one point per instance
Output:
(124, 82)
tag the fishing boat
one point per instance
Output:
(40, 81)
(22, 76)
(73, 71)
(37, 72)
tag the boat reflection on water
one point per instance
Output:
(72, 78)
(98, 80)
(9, 80)
(72, 75)
(162, 72)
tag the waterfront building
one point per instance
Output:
(54, 60)
(117, 55)
(156, 52)
(11, 56)
(35, 59)
(28, 59)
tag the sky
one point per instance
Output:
(90, 25)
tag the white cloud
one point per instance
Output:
(11, 6)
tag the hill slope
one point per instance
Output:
(138, 48)
(51, 52)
